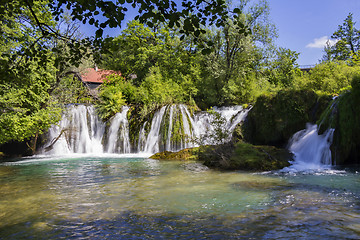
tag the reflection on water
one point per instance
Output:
(137, 198)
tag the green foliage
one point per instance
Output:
(284, 68)
(155, 88)
(20, 126)
(191, 16)
(275, 118)
(70, 89)
(111, 99)
(33, 63)
(343, 116)
(188, 154)
(328, 77)
(348, 41)
(230, 72)
(26, 107)
(158, 68)
(245, 89)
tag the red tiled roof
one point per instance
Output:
(90, 75)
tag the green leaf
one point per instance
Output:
(206, 51)
(99, 33)
(237, 10)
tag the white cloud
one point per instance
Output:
(321, 42)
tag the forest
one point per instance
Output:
(226, 57)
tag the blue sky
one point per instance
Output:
(304, 25)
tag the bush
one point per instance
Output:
(111, 100)
(328, 77)
(275, 118)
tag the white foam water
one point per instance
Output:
(82, 131)
(311, 150)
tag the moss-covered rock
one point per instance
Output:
(344, 116)
(229, 156)
(275, 118)
(263, 158)
(245, 156)
(185, 155)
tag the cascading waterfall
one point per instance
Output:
(152, 141)
(74, 134)
(173, 127)
(311, 150)
(233, 115)
(168, 140)
(82, 131)
(118, 137)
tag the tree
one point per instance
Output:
(235, 54)
(192, 16)
(31, 72)
(347, 40)
(329, 77)
(111, 99)
(26, 107)
(284, 67)
(157, 66)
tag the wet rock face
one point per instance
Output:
(275, 118)
(346, 141)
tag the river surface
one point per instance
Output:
(132, 197)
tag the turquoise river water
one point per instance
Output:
(118, 197)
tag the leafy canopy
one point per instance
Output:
(347, 44)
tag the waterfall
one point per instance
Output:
(152, 141)
(118, 137)
(170, 128)
(79, 131)
(311, 150)
(233, 115)
(186, 127)
(82, 131)
(168, 140)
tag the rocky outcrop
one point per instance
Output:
(245, 156)
(343, 114)
(183, 155)
(275, 118)
(229, 156)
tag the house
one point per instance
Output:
(94, 77)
